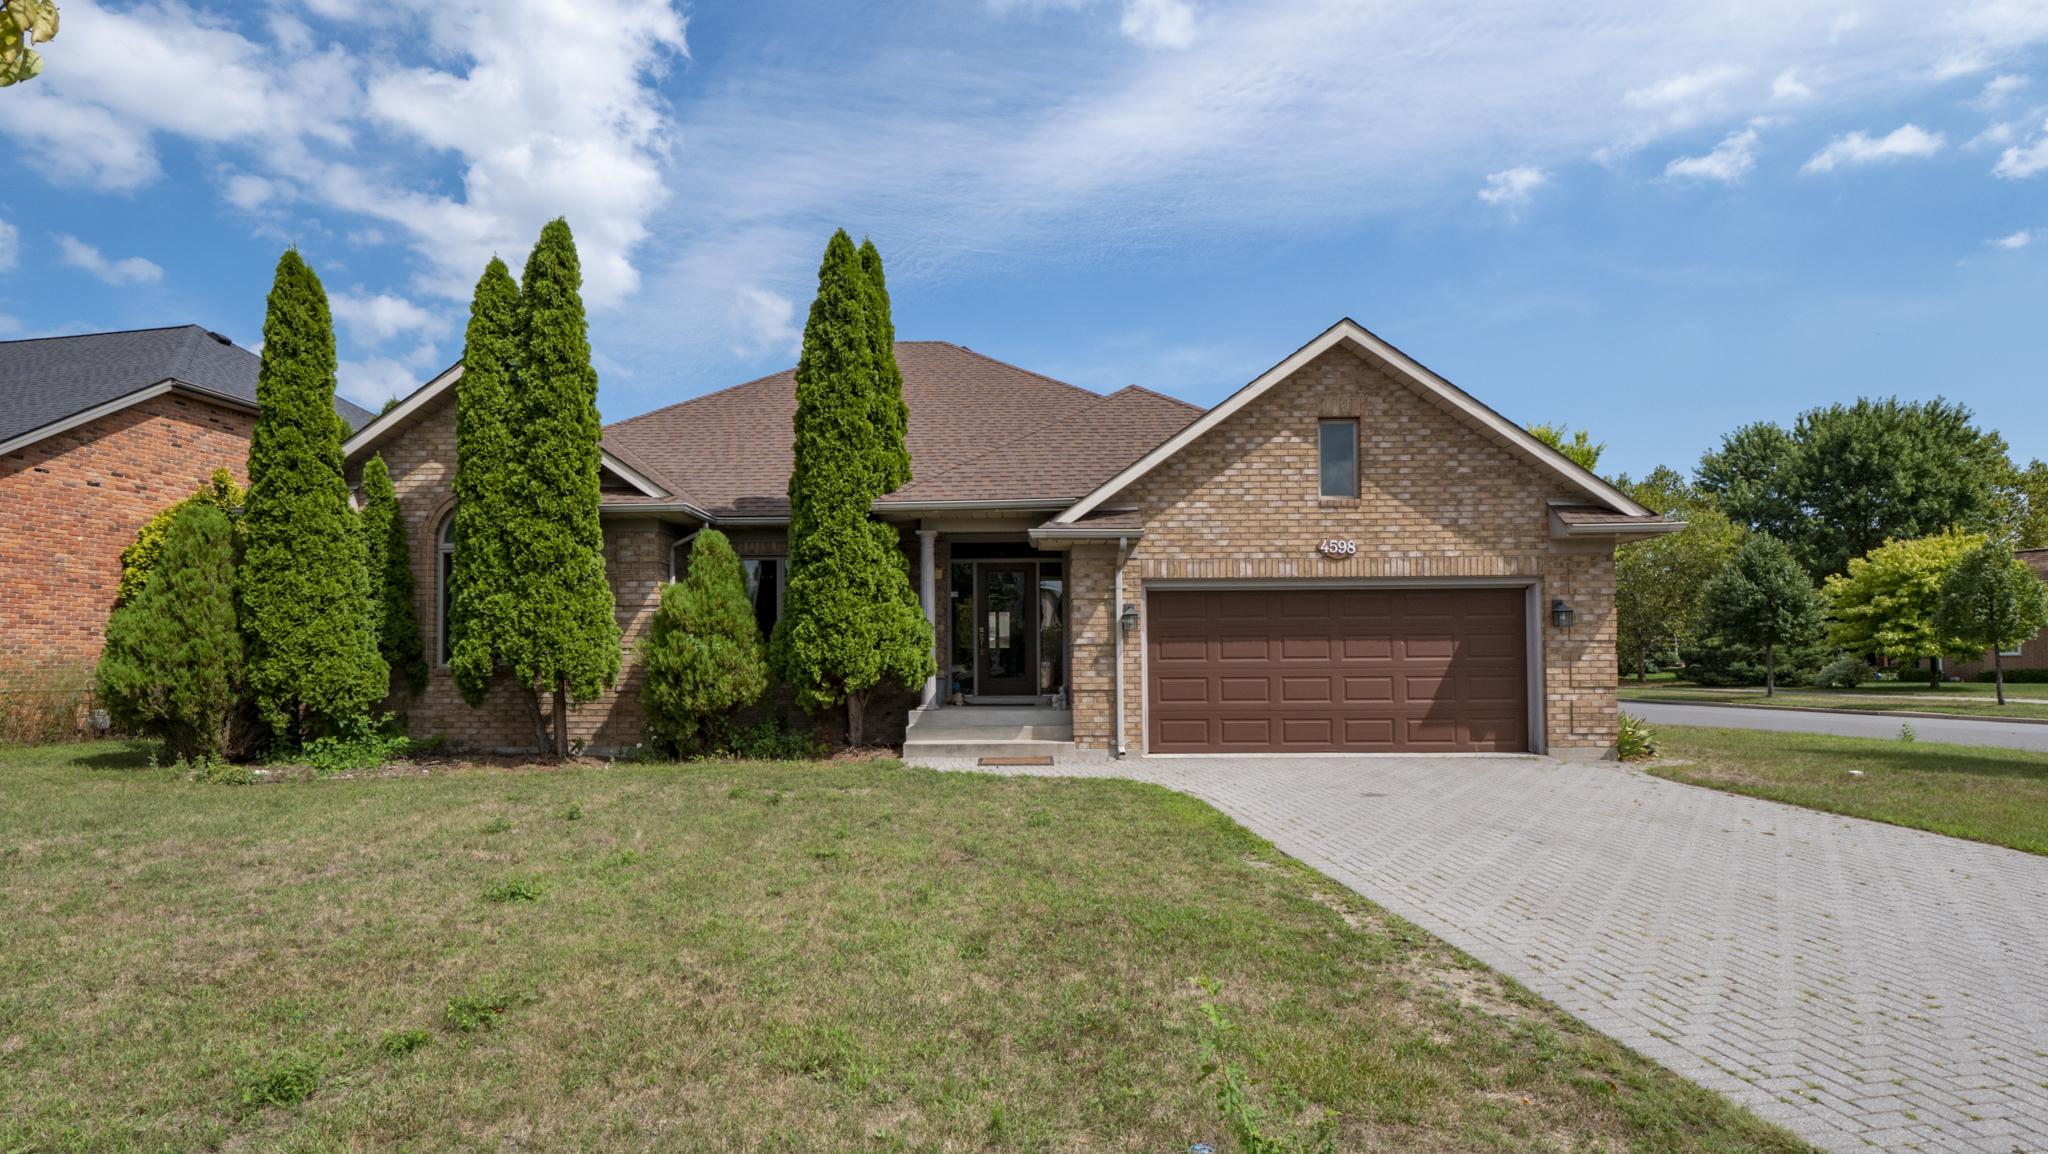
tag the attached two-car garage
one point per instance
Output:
(1337, 670)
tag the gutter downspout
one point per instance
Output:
(926, 564)
(1116, 628)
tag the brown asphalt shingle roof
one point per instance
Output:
(729, 452)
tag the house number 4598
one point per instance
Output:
(1337, 548)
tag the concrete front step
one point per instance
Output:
(966, 744)
(989, 731)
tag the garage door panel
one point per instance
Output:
(1246, 689)
(1243, 649)
(1246, 730)
(1368, 689)
(1290, 670)
(1297, 690)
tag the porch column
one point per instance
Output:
(926, 563)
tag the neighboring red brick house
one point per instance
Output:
(2031, 654)
(1349, 555)
(98, 433)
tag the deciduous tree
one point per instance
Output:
(1764, 598)
(1659, 584)
(1576, 444)
(304, 588)
(140, 556)
(850, 618)
(1992, 599)
(23, 23)
(172, 664)
(704, 658)
(1847, 478)
(391, 581)
(1888, 601)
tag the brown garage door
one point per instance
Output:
(1337, 671)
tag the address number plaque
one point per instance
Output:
(1335, 548)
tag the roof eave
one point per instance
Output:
(105, 408)
(400, 416)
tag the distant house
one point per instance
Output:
(97, 433)
(2030, 655)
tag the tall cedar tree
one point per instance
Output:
(1994, 600)
(703, 659)
(391, 580)
(1764, 598)
(305, 593)
(564, 636)
(481, 589)
(850, 619)
(172, 665)
(140, 556)
(891, 416)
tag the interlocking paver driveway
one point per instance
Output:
(1864, 985)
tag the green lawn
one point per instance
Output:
(738, 957)
(1970, 791)
(1965, 700)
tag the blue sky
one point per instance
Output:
(1655, 224)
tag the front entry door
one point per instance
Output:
(1006, 630)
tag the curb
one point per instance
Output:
(1842, 712)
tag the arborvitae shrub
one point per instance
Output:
(172, 664)
(704, 658)
(388, 557)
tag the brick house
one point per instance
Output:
(2031, 654)
(97, 434)
(1349, 555)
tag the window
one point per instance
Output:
(1339, 453)
(764, 589)
(2015, 651)
(446, 567)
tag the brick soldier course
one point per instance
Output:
(1091, 493)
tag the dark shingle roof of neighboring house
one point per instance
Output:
(730, 450)
(51, 380)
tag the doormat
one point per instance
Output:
(1014, 761)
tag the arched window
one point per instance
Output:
(445, 565)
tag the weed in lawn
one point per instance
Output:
(497, 825)
(1251, 1123)
(1039, 819)
(621, 859)
(286, 1080)
(515, 890)
(573, 813)
(399, 1043)
(1906, 732)
(473, 1013)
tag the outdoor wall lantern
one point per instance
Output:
(1130, 618)
(1560, 613)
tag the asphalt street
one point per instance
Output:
(1953, 730)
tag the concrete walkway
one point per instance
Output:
(1954, 730)
(1864, 985)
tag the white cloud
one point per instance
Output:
(1860, 148)
(373, 381)
(1729, 162)
(540, 105)
(133, 270)
(372, 320)
(1159, 23)
(1513, 186)
(1684, 88)
(769, 319)
(10, 246)
(2022, 160)
(1789, 87)
(1998, 90)
(2020, 239)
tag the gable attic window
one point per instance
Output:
(1337, 451)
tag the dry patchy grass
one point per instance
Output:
(736, 957)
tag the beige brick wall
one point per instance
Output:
(1437, 500)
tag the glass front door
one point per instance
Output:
(1006, 629)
